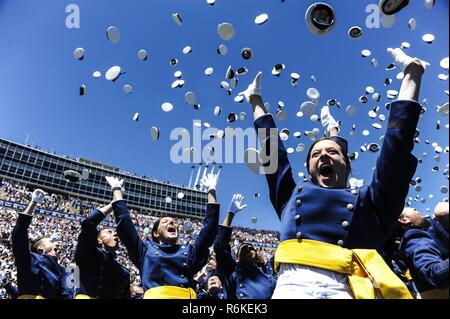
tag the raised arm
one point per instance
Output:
(210, 223)
(277, 168)
(225, 261)
(20, 240)
(396, 165)
(126, 230)
(87, 240)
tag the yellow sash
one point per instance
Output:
(83, 296)
(366, 270)
(30, 297)
(170, 292)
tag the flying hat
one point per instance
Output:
(222, 49)
(261, 19)
(113, 73)
(390, 7)
(187, 50)
(78, 54)
(294, 78)
(167, 107)
(355, 32)
(113, 34)
(127, 88)
(428, 38)
(142, 55)
(155, 133)
(72, 176)
(177, 18)
(277, 69)
(320, 18)
(226, 31)
(82, 90)
(247, 53)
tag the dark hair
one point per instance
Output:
(248, 246)
(155, 229)
(34, 244)
(338, 140)
(99, 232)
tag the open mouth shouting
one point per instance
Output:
(172, 230)
(326, 169)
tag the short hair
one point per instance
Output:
(245, 244)
(34, 244)
(154, 229)
(99, 232)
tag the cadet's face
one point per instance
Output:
(47, 246)
(327, 165)
(108, 239)
(441, 214)
(168, 230)
(214, 283)
(410, 217)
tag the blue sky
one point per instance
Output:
(40, 81)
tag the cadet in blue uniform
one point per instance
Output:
(39, 275)
(242, 279)
(410, 218)
(323, 220)
(101, 276)
(426, 254)
(213, 290)
(166, 268)
(202, 277)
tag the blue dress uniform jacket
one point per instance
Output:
(36, 274)
(166, 264)
(101, 276)
(361, 218)
(426, 254)
(217, 295)
(240, 281)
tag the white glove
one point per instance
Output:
(38, 195)
(328, 122)
(254, 88)
(236, 204)
(210, 181)
(404, 60)
(115, 183)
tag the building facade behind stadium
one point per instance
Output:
(38, 168)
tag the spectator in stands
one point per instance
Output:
(101, 276)
(243, 278)
(322, 217)
(39, 274)
(426, 254)
(166, 268)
